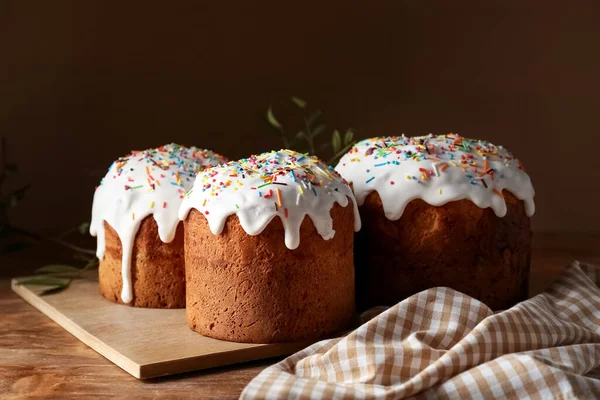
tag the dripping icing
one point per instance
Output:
(283, 184)
(437, 169)
(150, 182)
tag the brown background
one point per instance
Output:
(83, 82)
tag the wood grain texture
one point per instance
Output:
(40, 359)
(147, 343)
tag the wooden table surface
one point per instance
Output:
(40, 359)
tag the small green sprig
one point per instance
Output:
(57, 277)
(308, 137)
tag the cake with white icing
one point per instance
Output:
(440, 210)
(134, 216)
(269, 249)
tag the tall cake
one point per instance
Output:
(440, 210)
(134, 215)
(269, 249)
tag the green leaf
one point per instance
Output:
(272, 120)
(299, 102)
(49, 281)
(56, 289)
(318, 130)
(336, 141)
(57, 269)
(84, 228)
(348, 136)
(312, 118)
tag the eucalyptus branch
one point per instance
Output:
(311, 132)
(57, 277)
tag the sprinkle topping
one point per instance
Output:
(437, 169)
(149, 182)
(281, 183)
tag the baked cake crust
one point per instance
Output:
(440, 210)
(458, 245)
(157, 268)
(254, 289)
(145, 186)
(269, 249)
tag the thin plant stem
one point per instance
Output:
(340, 153)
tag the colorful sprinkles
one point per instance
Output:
(136, 186)
(422, 166)
(281, 168)
(170, 163)
(272, 183)
(440, 150)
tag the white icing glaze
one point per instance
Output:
(150, 182)
(283, 184)
(437, 169)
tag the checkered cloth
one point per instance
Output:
(442, 344)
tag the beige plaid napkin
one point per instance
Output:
(442, 344)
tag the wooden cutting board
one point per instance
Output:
(144, 342)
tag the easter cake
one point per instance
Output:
(439, 210)
(134, 216)
(269, 249)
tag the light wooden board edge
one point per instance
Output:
(220, 359)
(154, 370)
(106, 351)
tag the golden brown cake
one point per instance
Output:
(440, 211)
(140, 239)
(157, 268)
(269, 250)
